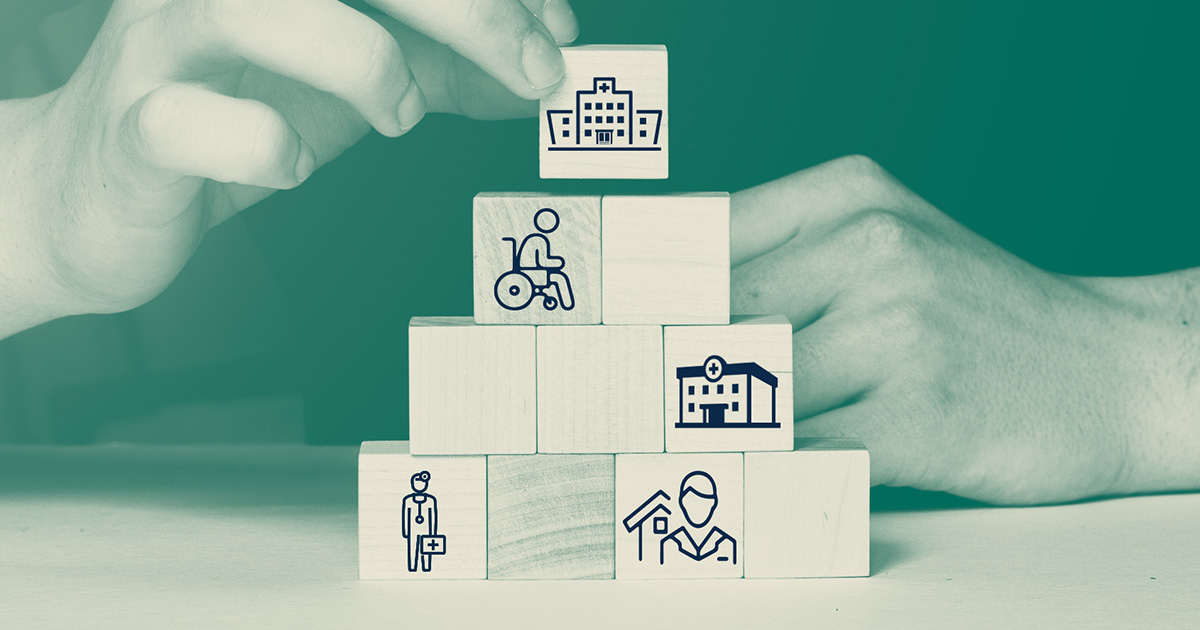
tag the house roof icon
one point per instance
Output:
(657, 502)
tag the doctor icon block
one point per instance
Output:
(680, 516)
(420, 518)
(536, 259)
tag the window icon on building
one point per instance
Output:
(604, 120)
(720, 395)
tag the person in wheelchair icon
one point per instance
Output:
(535, 272)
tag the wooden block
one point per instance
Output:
(608, 117)
(420, 518)
(551, 517)
(600, 389)
(808, 511)
(729, 388)
(666, 259)
(537, 259)
(679, 516)
(472, 389)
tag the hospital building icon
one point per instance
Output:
(604, 120)
(720, 395)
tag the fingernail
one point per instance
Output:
(306, 163)
(560, 19)
(412, 108)
(542, 62)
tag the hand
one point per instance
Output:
(185, 112)
(963, 368)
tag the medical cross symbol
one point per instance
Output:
(714, 366)
(603, 87)
(433, 544)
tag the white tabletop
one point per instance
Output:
(265, 537)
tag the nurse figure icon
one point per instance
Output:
(690, 540)
(420, 513)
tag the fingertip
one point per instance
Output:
(542, 62)
(561, 21)
(412, 108)
(306, 163)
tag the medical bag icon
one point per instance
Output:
(534, 271)
(432, 544)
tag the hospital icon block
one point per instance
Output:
(608, 118)
(551, 517)
(808, 511)
(420, 518)
(666, 259)
(600, 389)
(536, 259)
(679, 516)
(472, 389)
(729, 388)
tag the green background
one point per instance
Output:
(1065, 133)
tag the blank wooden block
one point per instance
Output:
(808, 511)
(608, 117)
(537, 259)
(666, 259)
(599, 389)
(729, 388)
(551, 517)
(472, 389)
(420, 518)
(679, 516)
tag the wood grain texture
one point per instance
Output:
(640, 69)
(575, 239)
(551, 517)
(762, 339)
(666, 259)
(459, 487)
(472, 389)
(808, 511)
(600, 389)
(639, 480)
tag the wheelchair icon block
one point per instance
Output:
(534, 272)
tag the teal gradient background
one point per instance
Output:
(1064, 132)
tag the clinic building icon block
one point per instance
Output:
(604, 119)
(609, 118)
(720, 395)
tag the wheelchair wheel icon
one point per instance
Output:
(514, 291)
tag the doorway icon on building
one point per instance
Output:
(603, 136)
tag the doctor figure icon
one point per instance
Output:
(534, 271)
(420, 513)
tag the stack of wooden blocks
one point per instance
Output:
(602, 415)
